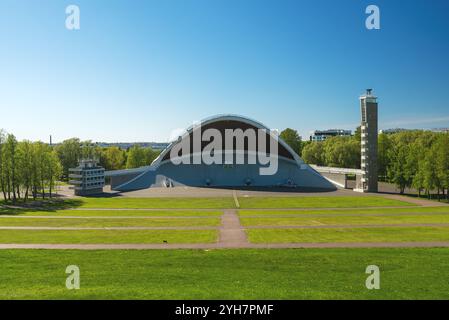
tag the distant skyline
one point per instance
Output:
(145, 70)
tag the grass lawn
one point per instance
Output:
(117, 213)
(135, 203)
(342, 211)
(319, 202)
(390, 234)
(338, 220)
(107, 236)
(106, 223)
(226, 274)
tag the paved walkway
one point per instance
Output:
(231, 231)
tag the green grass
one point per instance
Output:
(390, 234)
(136, 203)
(226, 274)
(319, 202)
(347, 220)
(116, 213)
(107, 223)
(342, 211)
(107, 236)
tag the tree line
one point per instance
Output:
(111, 158)
(416, 159)
(33, 169)
(411, 159)
(27, 169)
(339, 151)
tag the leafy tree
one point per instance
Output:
(69, 152)
(384, 145)
(113, 158)
(396, 171)
(442, 162)
(2, 164)
(54, 169)
(292, 138)
(430, 173)
(137, 157)
(25, 163)
(313, 153)
(151, 155)
(343, 152)
(358, 134)
(10, 167)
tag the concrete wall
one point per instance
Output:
(337, 178)
(228, 176)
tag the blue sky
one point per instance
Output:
(137, 70)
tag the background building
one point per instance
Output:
(322, 135)
(393, 131)
(87, 178)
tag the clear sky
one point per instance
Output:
(137, 70)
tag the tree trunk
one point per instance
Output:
(8, 188)
(2, 183)
(43, 189)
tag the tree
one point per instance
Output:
(384, 145)
(2, 164)
(292, 138)
(442, 162)
(313, 153)
(69, 152)
(113, 158)
(25, 163)
(151, 155)
(137, 157)
(9, 160)
(430, 173)
(358, 134)
(396, 171)
(54, 171)
(343, 152)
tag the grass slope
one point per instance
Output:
(319, 202)
(372, 210)
(107, 223)
(116, 213)
(135, 203)
(107, 236)
(225, 274)
(390, 234)
(347, 220)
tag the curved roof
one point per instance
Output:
(215, 120)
